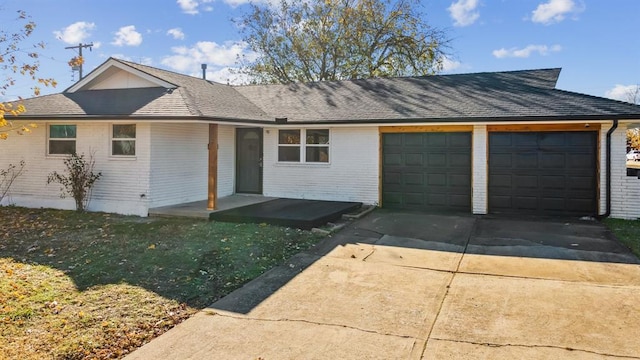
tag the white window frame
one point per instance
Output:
(49, 139)
(112, 139)
(303, 147)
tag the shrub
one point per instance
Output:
(77, 180)
(8, 176)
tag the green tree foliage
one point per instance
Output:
(18, 60)
(315, 40)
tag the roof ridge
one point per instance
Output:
(309, 83)
(597, 97)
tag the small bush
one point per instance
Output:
(78, 179)
(8, 176)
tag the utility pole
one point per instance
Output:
(80, 47)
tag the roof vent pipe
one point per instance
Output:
(204, 71)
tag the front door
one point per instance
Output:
(249, 160)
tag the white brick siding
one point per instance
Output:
(625, 190)
(118, 190)
(351, 175)
(480, 161)
(179, 163)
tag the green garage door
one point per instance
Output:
(427, 171)
(543, 173)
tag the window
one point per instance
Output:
(62, 139)
(123, 140)
(313, 147)
(317, 149)
(289, 145)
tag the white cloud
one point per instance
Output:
(76, 32)
(526, 51)
(127, 35)
(464, 12)
(220, 59)
(206, 52)
(554, 11)
(450, 64)
(193, 7)
(228, 75)
(629, 93)
(176, 33)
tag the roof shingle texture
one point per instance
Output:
(512, 95)
(500, 95)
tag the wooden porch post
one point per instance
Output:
(213, 167)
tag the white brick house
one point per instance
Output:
(477, 143)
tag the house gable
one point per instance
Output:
(114, 74)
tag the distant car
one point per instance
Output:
(633, 155)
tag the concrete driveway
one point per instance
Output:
(413, 286)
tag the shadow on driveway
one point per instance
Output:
(535, 237)
(397, 285)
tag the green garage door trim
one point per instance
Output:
(543, 173)
(427, 171)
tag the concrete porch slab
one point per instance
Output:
(296, 213)
(198, 209)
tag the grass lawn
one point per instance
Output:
(94, 285)
(627, 231)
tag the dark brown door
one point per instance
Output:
(543, 173)
(427, 171)
(249, 160)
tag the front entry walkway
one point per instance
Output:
(415, 286)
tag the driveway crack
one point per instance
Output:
(215, 313)
(419, 353)
(536, 346)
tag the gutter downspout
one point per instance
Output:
(608, 170)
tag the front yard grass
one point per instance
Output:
(627, 231)
(94, 285)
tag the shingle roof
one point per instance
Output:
(508, 96)
(513, 95)
(192, 97)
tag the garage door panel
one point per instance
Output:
(551, 139)
(502, 160)
(437, 160)
(427, 171)
(525, 202)
(414, 179)
(459, 160)
(459, 140)
(584, 141)
(392, 159)
(462, 181)
(436, 140)
(580, 161)
(414, 159)
(555, 175)
(437, 180)
(413, 140)
(553, 161)
(525, 160)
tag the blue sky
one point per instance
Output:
(595, 42)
